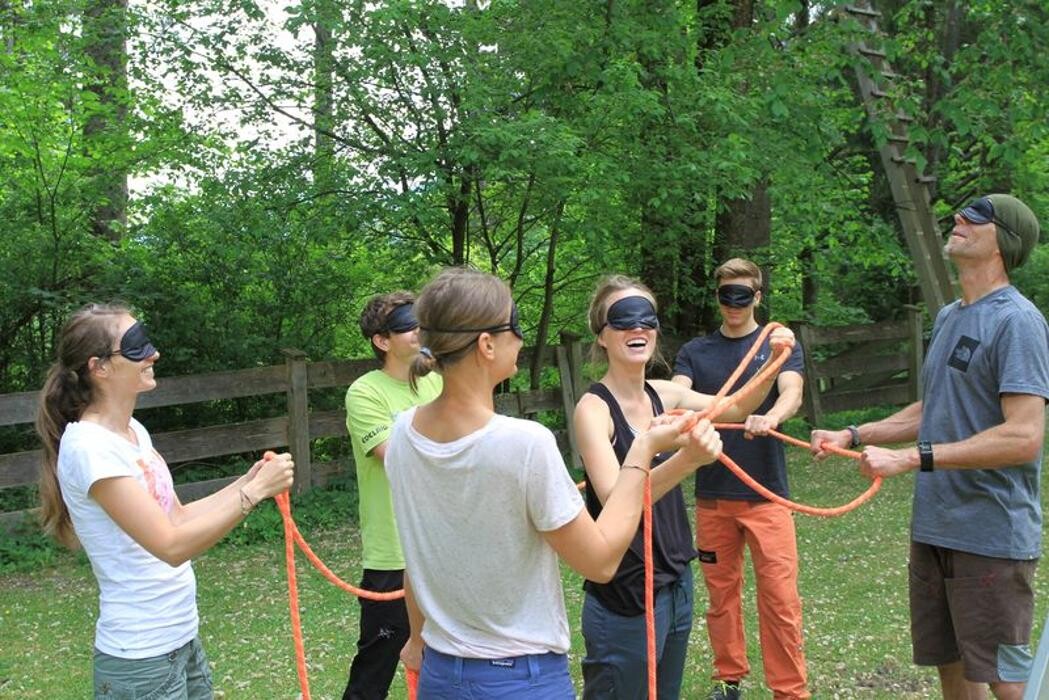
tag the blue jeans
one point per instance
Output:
(616, 663)
(533, 677)
(182, 674)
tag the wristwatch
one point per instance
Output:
(925, 455)
(855, 433)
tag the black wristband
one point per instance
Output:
(925, 455)
(855, 433)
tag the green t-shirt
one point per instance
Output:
(372, 403)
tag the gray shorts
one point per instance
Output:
(182, 674)
(974, 609)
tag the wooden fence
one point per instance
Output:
(871, 364)
(295, 430)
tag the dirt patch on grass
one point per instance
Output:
(892, 677)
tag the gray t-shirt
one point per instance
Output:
(471, 515)
(997, 345)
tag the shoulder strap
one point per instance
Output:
(657, 403)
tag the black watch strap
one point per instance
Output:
(925, 455)
(855, 433)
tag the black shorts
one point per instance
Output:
(972, 608)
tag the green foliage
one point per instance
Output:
(278, 182)
(26, 548)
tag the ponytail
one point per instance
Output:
(66, 394)
(424, 363)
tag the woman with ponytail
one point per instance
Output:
(485, 506)
(621, 405)
(103, 486)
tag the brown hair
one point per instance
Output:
(68, 390)
(457, 297)
(373, 317)
(597, 315)
(739, 267)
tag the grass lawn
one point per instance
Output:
(853, 584)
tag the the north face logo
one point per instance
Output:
(963, 352)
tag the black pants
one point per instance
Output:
(384, 631)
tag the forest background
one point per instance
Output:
(247, 174)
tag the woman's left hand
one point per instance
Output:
(412, 654)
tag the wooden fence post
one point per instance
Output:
(916, 351)
(811, 395)
(299, 418)
(569, 366)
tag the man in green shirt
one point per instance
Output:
(372, 403)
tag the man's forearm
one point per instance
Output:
(902, 426)
(786, 406)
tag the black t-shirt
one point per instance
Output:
(708, 361)
(672, 545)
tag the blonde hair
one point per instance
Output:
(68, 390)
(457, 297)
(597, 315)
(739, 267)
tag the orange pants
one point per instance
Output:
(723, 527)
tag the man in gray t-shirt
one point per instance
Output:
(976, 519)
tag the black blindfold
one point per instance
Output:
(135, 344)
(402, 319)
(736, 295)
(632, 312)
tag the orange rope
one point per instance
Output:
(799, 507)
(650, 594)
(292, 536)
(328, 574)
(721, 403)
(293, 592)
(412, 678)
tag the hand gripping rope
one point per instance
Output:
(722, 401)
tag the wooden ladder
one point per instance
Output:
(910, 190)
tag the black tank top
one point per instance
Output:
(672, 545)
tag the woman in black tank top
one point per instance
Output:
(623, 319)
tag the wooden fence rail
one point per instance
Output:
(296, 430)
(873, 364)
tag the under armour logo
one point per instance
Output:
(385, 633)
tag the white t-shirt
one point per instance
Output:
(470, 515)
(146, 607)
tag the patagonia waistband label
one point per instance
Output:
(504, 663)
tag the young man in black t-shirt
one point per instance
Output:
(730, 515)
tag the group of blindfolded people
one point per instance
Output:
(470, 511)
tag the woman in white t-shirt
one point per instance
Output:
(104, 487)
(484, 506)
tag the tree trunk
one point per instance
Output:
(543, 332)
(744, 223)
(105, 46)
(807, 256)
(323, 71)
(459, 208)
(935, 87)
